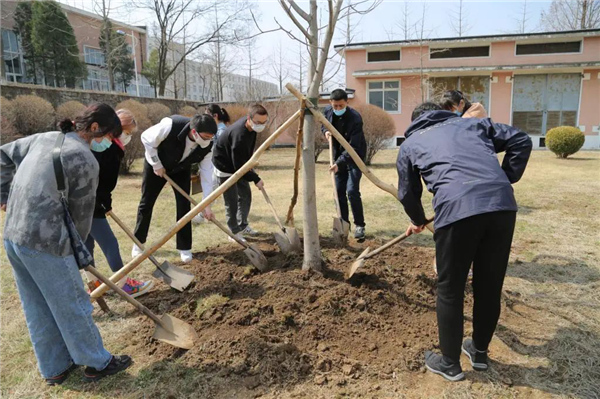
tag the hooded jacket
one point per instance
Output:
(456, 157)
(476, 110)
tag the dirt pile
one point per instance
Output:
(287, 326)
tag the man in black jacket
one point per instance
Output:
(475, 213)
(233, 149)
(349, 123)
(171, 147)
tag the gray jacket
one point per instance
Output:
(34, 215)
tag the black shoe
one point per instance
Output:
(59, 379)
(436, 364)
(117, 363)
(479, 359)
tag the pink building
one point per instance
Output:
(533, 81)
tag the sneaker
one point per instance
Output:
(250, 231)
(117, 363)
(92, 285)
(436, 364)
(198, 219)
(239, 236)
(359, 232)
(135, 288)
(135, 251)
(478, 359)
(186, 255)
(59, 379)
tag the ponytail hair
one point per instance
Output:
(452, 98)
(66, 125)
(215, 109)
(102, 114)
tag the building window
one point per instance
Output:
(385, 94)
(475, 88)
(97, 80)
(13, 59)
(382, 56)
(93, 56)
(549, 48)
(459, 52)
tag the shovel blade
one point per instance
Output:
(340, 231)
(357, 264)
(257, 257)
(294, 239)
(176, 332)
(174, 276)
(283, 242)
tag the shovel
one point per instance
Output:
(366, 254)
(169, 329)
(341, 228)
(253, 253)
(287, 239)
(172, 275)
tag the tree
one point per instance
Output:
(23, 22)
(150, 70)
(571, 15)
(279, 69)
(117, 56)
(522, 18)
(379, 128)
(459, 23)
(54, 41)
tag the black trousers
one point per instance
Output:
(347, 180)
(152, 185)
(238, 201)
(485, 241)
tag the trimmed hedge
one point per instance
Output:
(157, 111)
(70, 110)
(188, 111)
(564, 140)
(33, 115)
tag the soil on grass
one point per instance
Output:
(286, 326)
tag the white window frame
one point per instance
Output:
(459, 58)
(92, 48)
(11, 76)
(545, 54)
(381, 51)
(383, 89)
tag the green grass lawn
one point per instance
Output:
(554, 276)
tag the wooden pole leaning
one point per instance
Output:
(252, 162)
(359, 162)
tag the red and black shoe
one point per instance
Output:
(117, 364)
(59, 379)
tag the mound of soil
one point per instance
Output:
(286, 325)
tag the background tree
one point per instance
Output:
(459, 19)
(379, 128)
(54, 41)
(23, 27)
(150, 71)
(571, 15)
(522, 18)
(279, 68)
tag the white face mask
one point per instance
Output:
(125, 139)
(258, 128)
(200, 141)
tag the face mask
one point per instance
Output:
(457, 112)
(339, 112)
(258, 128)
(101, 146)
(125, 139)
(200, 141)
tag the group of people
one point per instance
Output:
(474, 207)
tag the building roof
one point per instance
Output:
(66, 7)
(490, 38)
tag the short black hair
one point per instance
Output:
(204, 123)
(257, 109)
(338, 95)
(422, 108)
(452, 98)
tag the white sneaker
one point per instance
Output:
(238, 235)
(135, 251)
(250, 231)
(186, 256)
(198, 219)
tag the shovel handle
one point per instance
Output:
(272, 209)
(132, 236)
(125, 296)
(335, 194)
(180, 190)
(390, 243)
(229, 233)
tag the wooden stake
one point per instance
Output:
(290, 215)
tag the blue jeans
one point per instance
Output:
(57, 309)
(104, 236)
(347, 179)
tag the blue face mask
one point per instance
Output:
(457, 112)
(339, 112)
(101, 146)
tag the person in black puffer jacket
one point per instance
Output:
(109, 156)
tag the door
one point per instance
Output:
(541, 102)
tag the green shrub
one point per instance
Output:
(157, 111)
(33, 115)
(188, 111)
(564, 140)
(70, 110)
(135, 148)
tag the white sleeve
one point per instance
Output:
(206, 175)
(152, 137)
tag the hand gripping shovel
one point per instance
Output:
(169, 329)
(253, 253)
(341, 228)
(366, 254)
(287, 239)
(172, 275)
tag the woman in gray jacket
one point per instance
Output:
(57, 308)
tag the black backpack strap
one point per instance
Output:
(58, 168)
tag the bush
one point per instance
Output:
(157, 111)
(33, 115)
(70, 110)
(564, 140)
(8, 132)
(378, 127)
(236, 111)
(188, 111)
(135, 148)
(7, 109)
